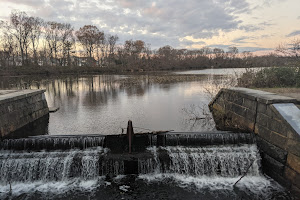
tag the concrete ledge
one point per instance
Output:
(13, 95)
(262, 96)
(19, 108)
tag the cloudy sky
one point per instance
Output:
(247, 24)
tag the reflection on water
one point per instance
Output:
(102, 104)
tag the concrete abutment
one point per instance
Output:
(274, 119)
(19, 108)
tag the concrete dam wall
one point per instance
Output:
(19, 108)
(276, 122)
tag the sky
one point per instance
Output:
(250, 25)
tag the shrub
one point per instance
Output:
(271, 77)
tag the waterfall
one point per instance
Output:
(200, 169)
(57, 165)
(37, 143)
(194, 139)
(222, 161)
(200, 139)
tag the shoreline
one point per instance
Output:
(53, 71)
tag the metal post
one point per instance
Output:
(130, 134)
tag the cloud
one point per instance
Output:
(247, 39)
(188, 43)
(255, 27)
(157, 22)
(240, 40)
(252, 49)
(31, 3)
(240, 48)
(220, 46)
(198, 18)
(294, 33)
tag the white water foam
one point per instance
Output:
(259, 186)
(224, 161)
(55, 187)
(185, 168)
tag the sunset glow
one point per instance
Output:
(250, 25)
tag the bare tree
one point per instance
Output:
(35, 34)
(233, 50)
(89, 36)
(9, 46)
(112, 40)
(52, 35)
(68, 41)
(292, 49)
(20, 27)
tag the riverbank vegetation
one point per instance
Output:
(273, 77)
(30, 45)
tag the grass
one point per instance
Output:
(289, 92)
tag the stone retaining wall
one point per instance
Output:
(274, 119)
(19, 108)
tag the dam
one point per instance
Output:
(209, 163)
(170, 165)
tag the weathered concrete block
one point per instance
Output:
(275, 152)
(291, 134)
(10, 108)
(293, 147)
(236, 98)
(245, 112)
(271, 136)
(263, 132)
(19, 108)
(262, 119)
(296, 192)
(221, 102)
(261, 108)
(239, 123)
(293, 162)
(266, 110)
(251, 104)
(218, 107)
(292, 176)
(279, 178)
(242, 92)
(278, 140)
(270, 163)
(277, 126)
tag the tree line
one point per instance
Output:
(31, 41)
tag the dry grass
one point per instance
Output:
(290, 92)
(281, 90)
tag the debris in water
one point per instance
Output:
(124, 188)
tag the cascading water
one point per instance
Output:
(57, 165)
(37, 143)
(36, 173)
(224, 161)
(211, 169)
(210, 138)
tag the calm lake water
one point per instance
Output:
(102, 104)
